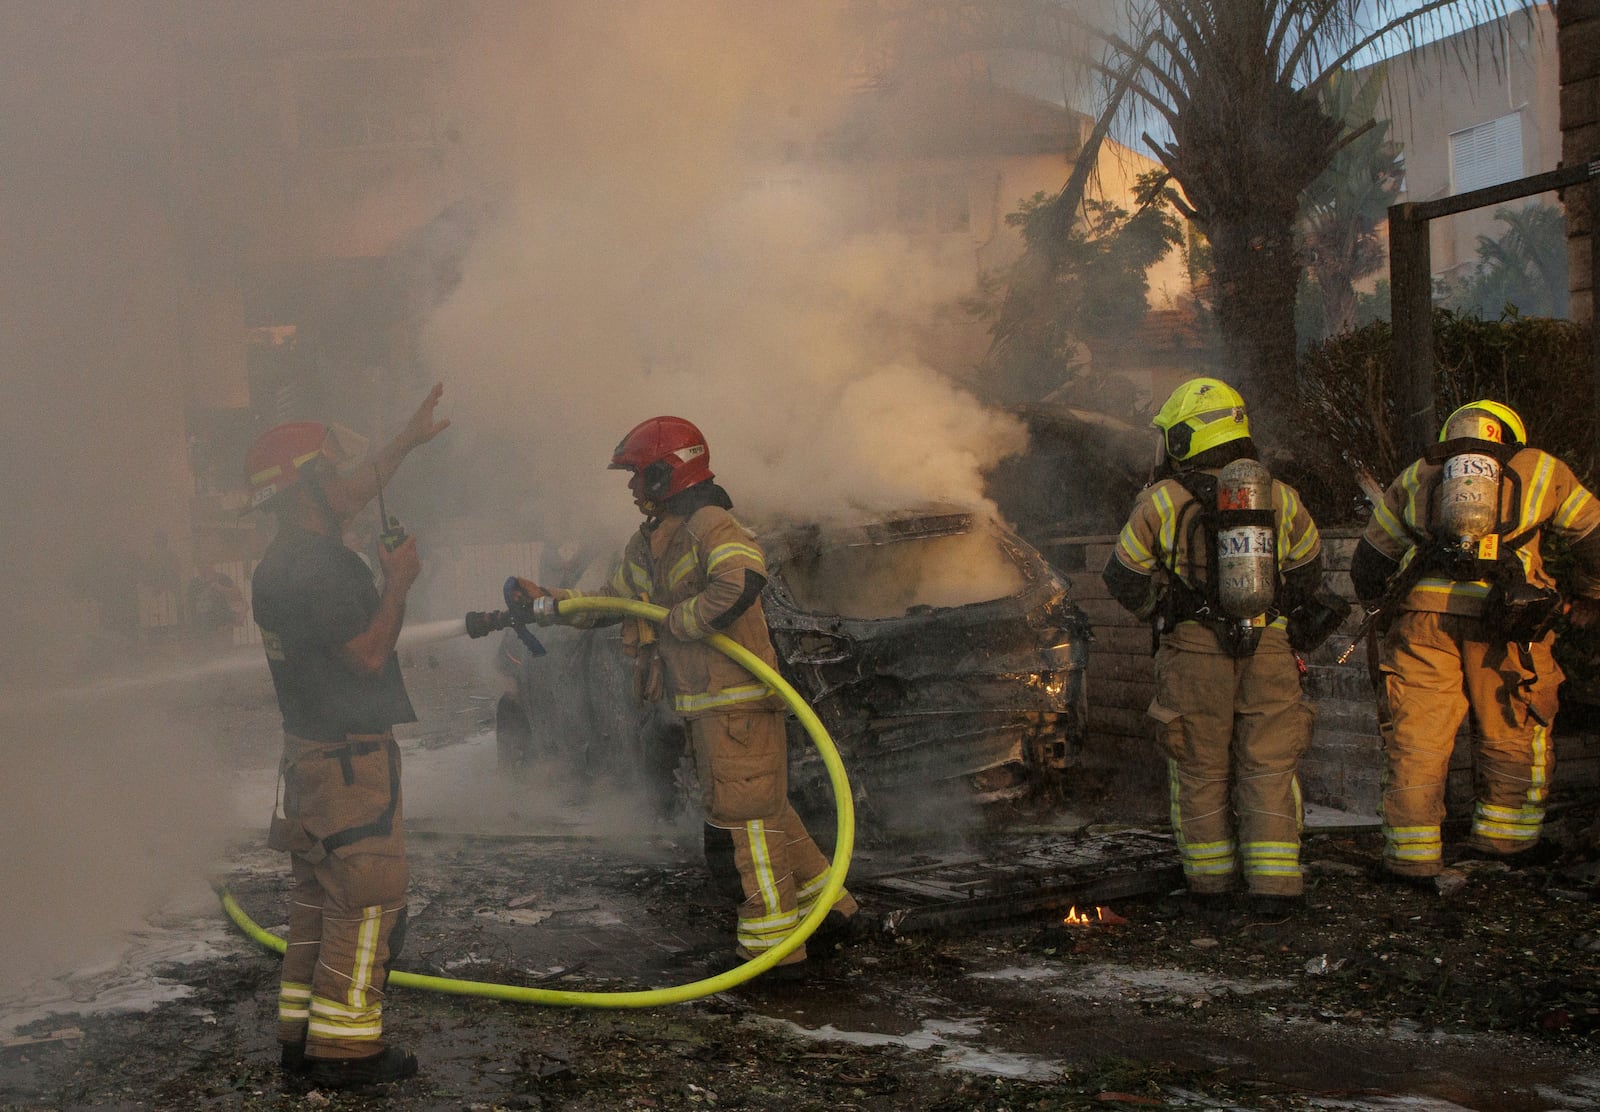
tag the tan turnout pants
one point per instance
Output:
(1233, 731)
(1435, 667)
(742, 762)
(341, 825)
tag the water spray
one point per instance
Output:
(488, 622)
(240, 662)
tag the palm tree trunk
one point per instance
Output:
(1255, 270)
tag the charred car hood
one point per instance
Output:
(934, 691)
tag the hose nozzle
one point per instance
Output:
(481, 623)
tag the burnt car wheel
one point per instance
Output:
(513, 740)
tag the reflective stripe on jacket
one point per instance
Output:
(696, 567)
(1158, 533)
(1551, 497)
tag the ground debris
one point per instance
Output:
(1485, 997)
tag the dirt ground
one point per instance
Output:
(1487, 997)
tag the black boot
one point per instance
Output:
(1267, 905)
(837, 930)
(292, 1057)
(390, 1064)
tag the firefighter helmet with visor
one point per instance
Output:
(1496, 422)
(668, 454)
(287, 453)
(1198, 416)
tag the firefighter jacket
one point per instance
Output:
(707, 570)
(1163, 545)
(1538, 492)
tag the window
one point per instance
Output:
(1487, 154)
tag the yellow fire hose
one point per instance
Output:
(694, 990)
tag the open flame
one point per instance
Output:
(1099, 917)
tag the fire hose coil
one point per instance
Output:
(844, 809)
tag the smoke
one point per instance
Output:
(110, 807)
(655, 246)
(104, 805)
(648, 234)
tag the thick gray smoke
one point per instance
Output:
(646, 240)
(656, 248)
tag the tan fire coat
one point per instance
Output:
(1233, 729)
(698, 569)
(1439, 659)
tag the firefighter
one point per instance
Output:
(1453, 551)
(1229, 709)
(694, 558)
(329, 635)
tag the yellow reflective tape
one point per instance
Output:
(1410, 834)
(681, 569)
(1433, 588)
(1292, 848)
(1385, 519)
(641, 577)
(689, 616)
(1536, 775)
(366, 955)
(724, 552)
(761, 865)
(1543, 472)
(1167, 533)
(1567, 515)
(1138, 556)
(728, 696)
(1175, 812)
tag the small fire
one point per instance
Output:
(1101, 917)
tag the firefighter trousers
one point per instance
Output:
(1436, 667)
(743, 765)
(341, 825)
(1233, 730)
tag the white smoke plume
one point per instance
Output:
(652, 251)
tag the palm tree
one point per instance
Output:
(1239, 86)
(1343, 209)
(1236, 89)
(1524, 270)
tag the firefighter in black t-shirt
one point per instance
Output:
(329, 635)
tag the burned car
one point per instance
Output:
(942, 652)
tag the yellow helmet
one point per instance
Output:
(1199, 415)
(1496, 422)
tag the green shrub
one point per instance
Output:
(1348, 412)
(1349, 419)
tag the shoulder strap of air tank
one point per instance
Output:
(1199, 514)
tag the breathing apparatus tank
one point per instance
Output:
(1469, 489)
(1247, 558)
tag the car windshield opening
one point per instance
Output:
(890, 579)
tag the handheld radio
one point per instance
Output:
(393, 534)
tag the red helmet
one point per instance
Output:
(667, 453)
(279, 455)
